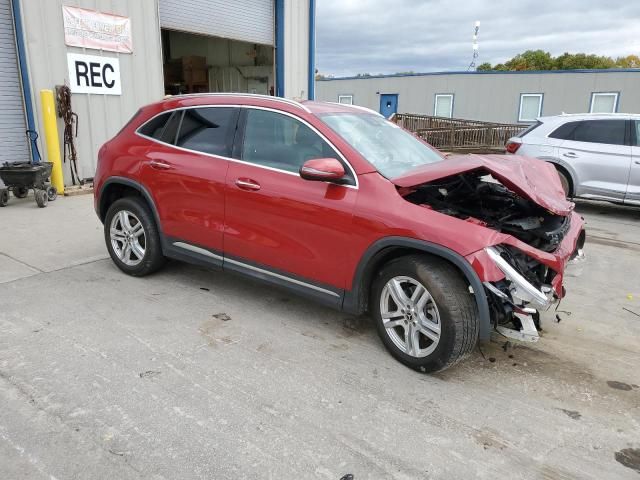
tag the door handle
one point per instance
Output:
(247, 184)
(160, 165)
(570, 155)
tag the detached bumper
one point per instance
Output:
(522, 291)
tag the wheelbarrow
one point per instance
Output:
(19, 178)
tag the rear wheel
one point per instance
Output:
(20, 192)
(424, 312)
(132, 237)
(52, 193)
(42, 199)
(4, 197)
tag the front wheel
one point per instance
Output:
(424, 312)
(132, 237)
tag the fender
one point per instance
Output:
(355, 300)
(567, 167)
(135, 185)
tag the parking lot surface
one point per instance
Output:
(198, 374)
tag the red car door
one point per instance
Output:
(185, 170)
(278, 226)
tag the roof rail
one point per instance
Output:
(246, 95)
(365, 109)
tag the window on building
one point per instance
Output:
(208, 130)
(443, 105)
(530, 107)
(604, 102)
(345, 99)
(279, 141)
(637, 124)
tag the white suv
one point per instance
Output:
(597, 155)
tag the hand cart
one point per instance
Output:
(19, 178)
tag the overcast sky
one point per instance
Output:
(387, 36)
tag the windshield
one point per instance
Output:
(389, 148)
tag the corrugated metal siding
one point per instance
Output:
(100, 116)
(489, 97)
(12, 120)
(296, 49)
(247, 20)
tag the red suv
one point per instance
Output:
(338, 204)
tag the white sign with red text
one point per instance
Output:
(92, 29)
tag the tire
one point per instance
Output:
(41, 198)
(455, 312)
(4, 197)
(566, 185)
(20, 192)
(145, 257)
(52, 193)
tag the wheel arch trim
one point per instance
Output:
(355, 300)
(135, 185)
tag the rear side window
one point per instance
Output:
(636, 131)
(154, 127)
(529, 129)
(564, 132)
(611, 132)
(208, 130)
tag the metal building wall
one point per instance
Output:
(100, 116)
(296, 49)
(489, 96)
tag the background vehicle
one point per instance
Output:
(340, 205)
(597, 155)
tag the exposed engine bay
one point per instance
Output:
(477, 197)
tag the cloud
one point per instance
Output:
(387, 36)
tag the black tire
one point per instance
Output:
(459, 323)
(566, 184)
(20, 192)
(153, 259)
(42, 199)
(4, 197)
(52, 193)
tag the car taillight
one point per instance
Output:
(512, 147)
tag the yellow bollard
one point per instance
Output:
(51, 138)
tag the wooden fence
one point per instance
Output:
(459, 135)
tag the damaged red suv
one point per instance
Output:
(338, 204)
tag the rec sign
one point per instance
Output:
(94, 74)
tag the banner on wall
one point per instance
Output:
(92, 29)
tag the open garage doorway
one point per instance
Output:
(198, 63)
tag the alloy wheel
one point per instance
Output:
(410, 316)
(127, 238)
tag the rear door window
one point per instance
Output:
(609, 132)
(208, 130)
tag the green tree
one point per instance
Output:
(630, 61)
(483, 67)
(531, 60)
(573, 61)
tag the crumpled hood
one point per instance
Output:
(530, 178)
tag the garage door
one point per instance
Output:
(12, 122)
(246, 20)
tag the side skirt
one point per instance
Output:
(198, 255)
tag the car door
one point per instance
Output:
(600, 156)
(185, 172)
(633, 189)
(280, 227)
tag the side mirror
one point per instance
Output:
(322, 170)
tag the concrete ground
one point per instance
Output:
(194, 374)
